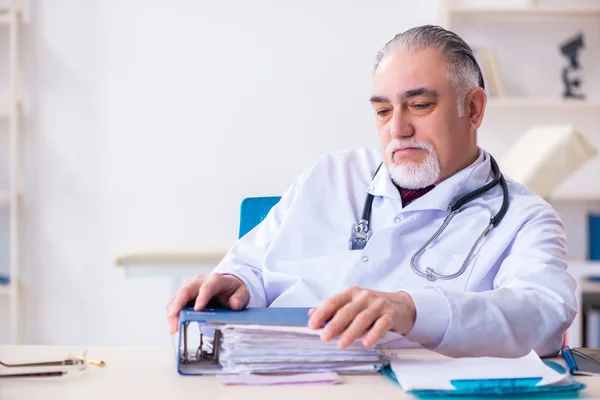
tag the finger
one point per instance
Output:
(357, 328)
(342, 318)
(171, 322)
(211, 287)
(311, 312)
(186, 293)
(328, 309)
(170, 303)
(239, 299)
(381, 326)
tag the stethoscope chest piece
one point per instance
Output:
(360, 235)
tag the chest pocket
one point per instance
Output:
(443, 263)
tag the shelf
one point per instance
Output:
(170, 258)
(588, 286)
(541, 102)
(573, 196)
(581, 269)
(527, 11)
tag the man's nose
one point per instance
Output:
(401, 126)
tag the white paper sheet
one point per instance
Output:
(437, 374)
(273, 348)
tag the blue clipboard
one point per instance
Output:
(479, 388)
(195, 353)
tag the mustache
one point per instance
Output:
(396, 145)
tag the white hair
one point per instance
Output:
(462, 68)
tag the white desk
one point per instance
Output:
(149, 373)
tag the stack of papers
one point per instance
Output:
(290, 349)
(484, 375)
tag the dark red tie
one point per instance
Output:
(408, 195)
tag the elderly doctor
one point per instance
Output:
(463, 293)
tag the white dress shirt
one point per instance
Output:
(514, 296)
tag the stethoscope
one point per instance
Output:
(361, 233)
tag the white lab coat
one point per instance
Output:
(514, 296)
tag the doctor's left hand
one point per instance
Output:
(356, 312)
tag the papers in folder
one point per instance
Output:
(261, 348)
(266, 340)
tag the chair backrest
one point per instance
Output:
(253, 210)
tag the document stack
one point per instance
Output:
(266, 340)
(285, 349)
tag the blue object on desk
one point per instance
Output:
(293, 316)
(253, 210)
(569, 359)
(194, 363)
(594, 237)
(582, 360)
(478, 388)
(4, 280)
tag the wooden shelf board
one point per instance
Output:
(169, 258)
(576, 195)
(541, 102)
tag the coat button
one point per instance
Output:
(365, 258)
(396, 220)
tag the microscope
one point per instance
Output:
(571, 74)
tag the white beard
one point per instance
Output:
(413, 175)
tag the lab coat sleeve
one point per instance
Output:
(245, 259)
(531, 306)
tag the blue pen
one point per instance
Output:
(569, 359)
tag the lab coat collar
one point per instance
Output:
(382, 185)
(445, 193)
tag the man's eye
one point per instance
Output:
(421, 106)
(382, 113)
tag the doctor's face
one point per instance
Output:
(423, 140)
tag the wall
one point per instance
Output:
(149, 121)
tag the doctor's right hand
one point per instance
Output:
(226, 290)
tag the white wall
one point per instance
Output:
(149, 122)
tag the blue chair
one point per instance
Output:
(253, 210)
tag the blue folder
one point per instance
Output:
(192, 360)
(482, 388)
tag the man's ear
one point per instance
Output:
(475, 107)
